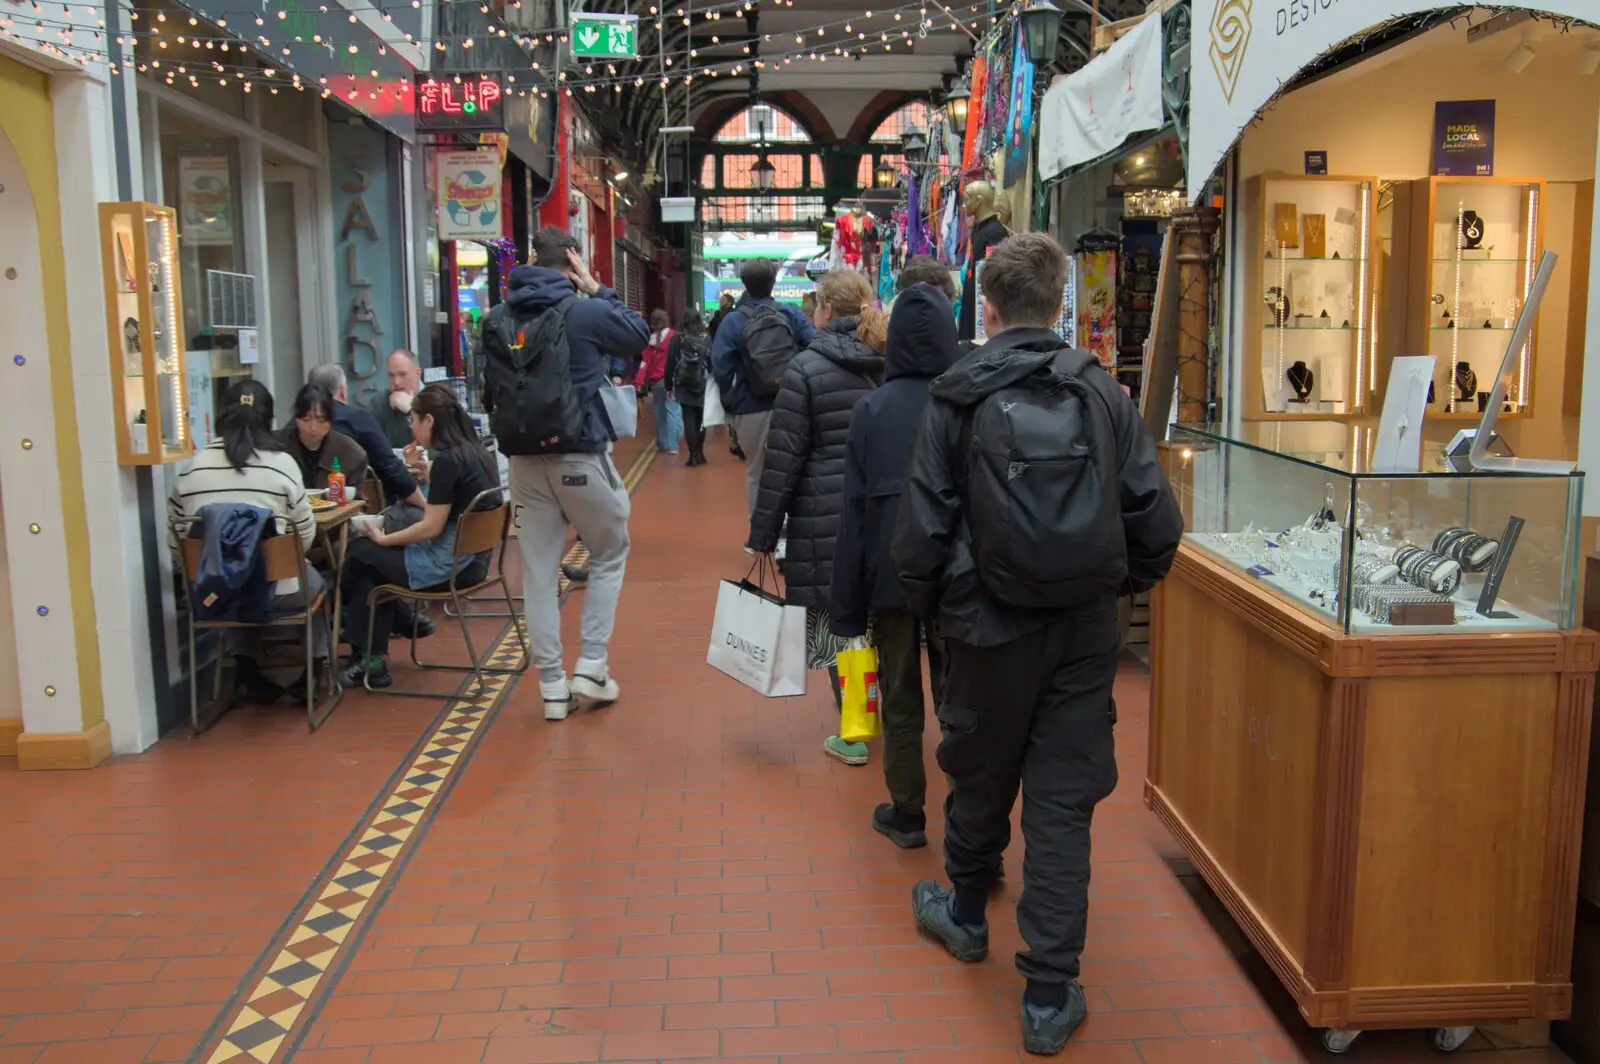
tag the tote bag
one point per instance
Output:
(622, 409)
(758, 639)
(714, 413)
(858, 689)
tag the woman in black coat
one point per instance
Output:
(804, 477)
(688, 373)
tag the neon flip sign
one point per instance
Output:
(448, 105)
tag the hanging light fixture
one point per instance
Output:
(913, 145)
(883, 174)
(955, 106)
(763, 174)
(1041, 32)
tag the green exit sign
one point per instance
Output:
(601, 36)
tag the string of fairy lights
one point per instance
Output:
(165, 48)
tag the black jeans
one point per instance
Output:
(898, 637)
(368, 566)
(1038, 712)
(694, 432)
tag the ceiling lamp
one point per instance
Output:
(913, 145)
(883, 174)
(955, 106)
(1041, 32)
(763, 174)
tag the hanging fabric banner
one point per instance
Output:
(1089, 114)
(1097, 304)
(468, 190)
(1019, 115)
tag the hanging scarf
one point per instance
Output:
(974, 113)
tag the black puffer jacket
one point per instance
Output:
(804, 477)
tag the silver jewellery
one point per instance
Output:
(1470, 550)
(1424, 569)
(1374, 571)
(1379, 601)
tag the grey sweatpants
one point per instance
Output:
(548, 494)
(752, 430)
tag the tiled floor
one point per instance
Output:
(681, 876)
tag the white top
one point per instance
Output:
(270, 480)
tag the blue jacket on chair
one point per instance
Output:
(231, 583)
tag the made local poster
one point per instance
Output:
(205, 199)
(1463, 138)
(1097, 304)
(468, 190)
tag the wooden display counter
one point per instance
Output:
(1393, 820)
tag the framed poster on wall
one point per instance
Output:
(205, 199)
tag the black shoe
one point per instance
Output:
(251, 685)
(575, 574)
(932, 905)
(905, 830)
(405, 615)
(374, 673)
(1045, 1030)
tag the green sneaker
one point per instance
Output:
(849, 753)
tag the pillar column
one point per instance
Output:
(1193, 229)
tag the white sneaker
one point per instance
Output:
(592, 680)
(558, 699)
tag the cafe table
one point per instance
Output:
(333, 533)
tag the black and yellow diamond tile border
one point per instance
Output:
(265, 1021)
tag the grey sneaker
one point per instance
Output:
(1045, 1031)
(932, 905)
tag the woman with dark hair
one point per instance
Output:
(246, 464)
(688, 370)
(311, 441)
(422, 554)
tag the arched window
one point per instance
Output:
(915, 113)
(728, 167)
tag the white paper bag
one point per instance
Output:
(714, 413)
(759, 640)
(622, 408)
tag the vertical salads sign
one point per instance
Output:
(205, 198)
(1463, 138)
(468, 195)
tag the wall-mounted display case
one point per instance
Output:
(1294, 509)
(1475, 246)
(1311, 286)
(144, 323)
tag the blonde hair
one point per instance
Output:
(848, 294)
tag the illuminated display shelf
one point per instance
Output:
(144, 327)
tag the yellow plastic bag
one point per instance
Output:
(858, 685)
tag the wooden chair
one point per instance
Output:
(285, 560)
(371, 489)
(477, 531)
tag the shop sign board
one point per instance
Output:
(1246, 51)
(595, 35)
(1463, 138)
(446, 105)
(205, 200)
(1092, 112)
(468, 195)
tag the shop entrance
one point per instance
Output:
(290, 237)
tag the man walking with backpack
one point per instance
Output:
(1033, 501)
(546, 356)
(749, 354)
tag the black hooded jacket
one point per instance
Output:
(922, 345)
(932, 549)
(804, 477)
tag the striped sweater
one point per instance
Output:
(270, 480)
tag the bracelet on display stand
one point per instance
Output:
(1424, 569)
(1470, 550)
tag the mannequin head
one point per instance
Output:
(978, 199)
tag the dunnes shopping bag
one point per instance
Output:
(858, 688)
(759, 640)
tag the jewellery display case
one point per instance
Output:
(1310, 295)
(1385, 792)
(1475, 245)
(1294, 508)
(144, 322)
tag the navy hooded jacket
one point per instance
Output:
(921, 346)
(599, 328)
(727, 355)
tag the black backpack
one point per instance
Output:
(527, 382)
(1042, 499)
(694, 363)
(768, 348)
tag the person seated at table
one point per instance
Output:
(312, 442)
(247, 464)
(420, 556)
(361, 426)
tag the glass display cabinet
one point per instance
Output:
(144, 323)
(1295, 509)
(1475, 246)
(1310, 296)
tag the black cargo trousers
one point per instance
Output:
(1035, 712)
